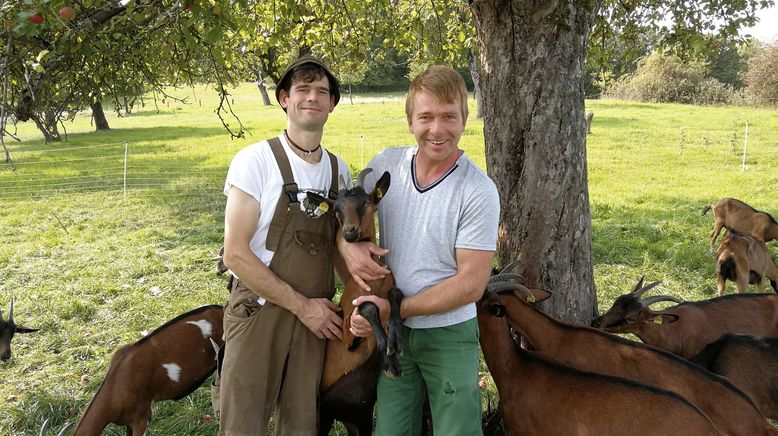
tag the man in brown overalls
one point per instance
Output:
(280, 248)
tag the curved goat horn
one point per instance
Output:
(652, 300)
(637, 293)
(11, 311)
(361, 176)
(502, 287)
(639, 285)
(509, 267)
(342, 183)
(506, 276)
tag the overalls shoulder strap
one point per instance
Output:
(333, 194)
(290, 187)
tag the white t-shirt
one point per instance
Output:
(422, 227)
(254, 171)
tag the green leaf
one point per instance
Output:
(41, 55)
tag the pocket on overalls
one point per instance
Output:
(313, 243)
(241, 308)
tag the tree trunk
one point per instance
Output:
(477, 94)
(262, 88)
(97, 113)
(532, 66)
(47, 124)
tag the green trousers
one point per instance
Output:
(446, 361)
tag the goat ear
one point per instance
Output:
(22, 329)
(540, 294)
(381, 186)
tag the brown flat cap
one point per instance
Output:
(308, 59)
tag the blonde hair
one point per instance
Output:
(443, 82)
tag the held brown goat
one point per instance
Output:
(589, 349)
(740, 217)
(541, 397)
(743, 260)
(352, 365)
(685, 329)
(748, 362)
(168, 364)
(7, 331)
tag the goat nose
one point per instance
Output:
(6, 356)
(351, 234)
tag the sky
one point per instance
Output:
(767, 28)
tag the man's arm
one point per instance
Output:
(240, 221)
(466, 286)
(361, 266)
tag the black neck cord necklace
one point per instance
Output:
(307, 152)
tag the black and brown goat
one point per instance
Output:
(748, 362)
(589, 349)
(352, 365)
(737, 216)
(685, 329)
(541, 397)
(7, 331)
(168, 364)
(744, 259)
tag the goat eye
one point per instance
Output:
(631, 318)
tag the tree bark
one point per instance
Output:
(262, 88)
(101, 123)
(532, 66)
(477, 94)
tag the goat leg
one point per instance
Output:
(371, 313)
(395, 341)
(389, 363)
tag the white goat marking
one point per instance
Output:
(173, 371)
(205, 327)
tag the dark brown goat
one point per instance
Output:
(743, 259)
(541, 397)
(352, 365)
(7, 331)
(748, 362)
(685, 329)
(168, 364)
(740, 217)
(589, 349)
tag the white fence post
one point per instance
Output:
(745, 146)
(125, 172)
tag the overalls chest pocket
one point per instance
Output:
(314, 243)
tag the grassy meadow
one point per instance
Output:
(94, 265)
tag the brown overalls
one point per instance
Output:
(271, 358)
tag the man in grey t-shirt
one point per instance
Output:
(438, 227)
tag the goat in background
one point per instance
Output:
(7, 331)
(737, 216)
(685, 329)
(168, 364)
(743, 260)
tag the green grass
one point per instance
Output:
(82, 261)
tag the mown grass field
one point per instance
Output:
(94, 270)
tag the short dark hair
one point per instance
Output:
(305, 73)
